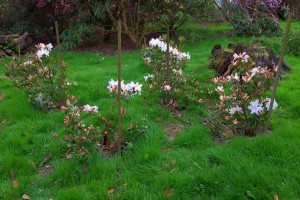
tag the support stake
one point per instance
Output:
(283, 49)
(62, 72)
(168, 62)
(119, 138)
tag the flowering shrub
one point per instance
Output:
(273, 5)
(168, 83)
(41, 77)
(241, 108)
(86, 128)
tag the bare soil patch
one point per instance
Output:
(172, 130)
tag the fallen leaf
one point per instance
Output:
(46, 170)
(169, 193)
(46, 159)
(15, 183)
(69, 156)
(12, 174)
(111, 191)
(26, 197)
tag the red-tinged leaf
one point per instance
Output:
(15, 183)
(276, 197)
(169, 193)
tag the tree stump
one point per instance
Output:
(260, 55)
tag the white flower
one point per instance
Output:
(154, 42)
(238, 109)
(49, 47)
(255, 107)
(245, 57)
(180, 72)
(148, 76)
(219, 89)
(40, 53)
(268, 102)
(88, 108)
(232, 110)
(136, 87)
(254, 71)
(27, 63)
(235, 109)
(167, 87)
(112, 85)
(242, 56)
(236, 77)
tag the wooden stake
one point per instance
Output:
(62, 72)
(168, 62)
(58, 42)
(283, 49)
(119, 137)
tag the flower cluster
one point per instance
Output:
(43, 50)
(161, 44)
(127, 90)
(40, 76)
(241, 108)
(271, 4)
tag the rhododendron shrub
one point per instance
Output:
(167, 83)
(241, 107)
(88, 128)
(40, 76)
(273, 5)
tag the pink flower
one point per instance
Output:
(63, 108)
(167, 87)
(88, 108)
(66, 120)
(227, 117)
(220, 89)
(68, 102)
(54, 135)
(73, 98)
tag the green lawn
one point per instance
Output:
(192, 166)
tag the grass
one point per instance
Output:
(192, 166)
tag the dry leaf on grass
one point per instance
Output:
(46, 159)
(13, 174)
(169, 193)
(111, 191)
(15, 183)
(26, 197)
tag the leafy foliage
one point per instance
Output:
(253, 23)
(293, 45)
